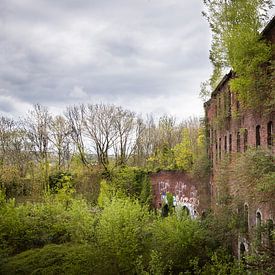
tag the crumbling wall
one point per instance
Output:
(186, 191)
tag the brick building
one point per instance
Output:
(231, 131)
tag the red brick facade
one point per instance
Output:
(232, 130)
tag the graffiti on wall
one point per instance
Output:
(184, 195)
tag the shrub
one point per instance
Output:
(122, 235)
(59, 219)
(53, 259)
(177, 240)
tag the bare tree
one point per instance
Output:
(146, 140)
(126, 127)
(60, 139)
(6, 129)
(100, 122)
(76, 122)
(36, 126)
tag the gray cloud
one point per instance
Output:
(143, 54)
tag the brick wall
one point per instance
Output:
(186, 190)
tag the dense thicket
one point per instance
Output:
(63, 234)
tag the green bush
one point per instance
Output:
(59, 219)
(52, 259)
(177, 240)
(60, 180)
(122, 236)
(127, 182)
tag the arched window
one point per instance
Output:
(246, 218)
(238, 142)
(225, 144)
(258, 225)
(269, 133)
(258, 135)
(245, 139)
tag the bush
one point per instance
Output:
(52, 259)
(122, 235)
(60, 180)
(59, 219)
(177, 240)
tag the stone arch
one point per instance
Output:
(258, 226)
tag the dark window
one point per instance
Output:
(258, 135)
(230, 143)
(269, 133)
(245, 139)
(258, 224)
(258, 219)
(238, 142)
(225, 144)
(238, 105)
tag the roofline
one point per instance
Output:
(268, 26)
(224, 79)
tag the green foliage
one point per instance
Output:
(121, 234)
(191, 154)
(237, 44)
(60, 218)
(126, 181)
(222, 264)
(60, 180)
(52, 259)
(163, 158)
(184, 154)
(254, 171)
(177, 241)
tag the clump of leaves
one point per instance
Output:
(237, 44)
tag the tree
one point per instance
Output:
(60, 138)
(237, 43)
(37, 130)
(76, 122)
(100, 128)
(126, 126)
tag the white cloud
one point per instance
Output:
(147, 55)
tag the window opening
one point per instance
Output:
(238, 142)
(245, 139)
(258, 135)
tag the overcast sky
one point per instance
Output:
(146, 55)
